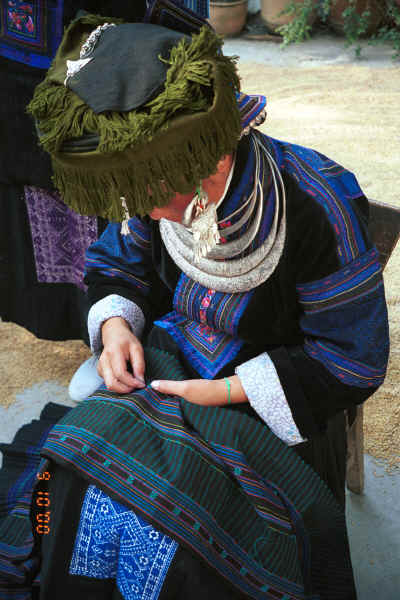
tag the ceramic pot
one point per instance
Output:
(375, 7)
(228, 18)
(270, 10)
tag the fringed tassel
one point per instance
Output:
(94, 185)
(180, 146)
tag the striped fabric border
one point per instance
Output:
(174, 512)
(140, 233)
(250, 106)
(223, 312)
(348, 370)
(332, 186)
(349, 348)
(177, 464)
(198, 6)
(359, 278)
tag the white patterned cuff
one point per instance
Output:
(113, 306)
(263, 388)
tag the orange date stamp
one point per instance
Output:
(43, 502)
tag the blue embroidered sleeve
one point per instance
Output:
(346, 343)
(340, 294)
(120, 264)
(345, 322)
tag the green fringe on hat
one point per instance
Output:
(146, 155)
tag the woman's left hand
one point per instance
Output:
(208, 392)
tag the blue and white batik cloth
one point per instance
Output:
(114, 543)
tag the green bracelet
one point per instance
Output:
(228, 385)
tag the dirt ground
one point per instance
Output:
(350, 113)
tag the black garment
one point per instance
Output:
(304, 380)
(54, 311)
(22, 161)
(271, 320)
(187, 577)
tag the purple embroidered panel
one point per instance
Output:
(60, 237)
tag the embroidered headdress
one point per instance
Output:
(135, 110)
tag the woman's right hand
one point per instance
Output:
(119, 346)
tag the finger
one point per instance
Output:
(137, 362)
(176, 388)
(120, 371)
(112, 382)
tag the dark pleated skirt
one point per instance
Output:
(188, 577)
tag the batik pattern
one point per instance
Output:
(60, 237)
(264, 391)
(31, 30)
(345, 321)
(126, 257)
(204, 323)
(113, 542)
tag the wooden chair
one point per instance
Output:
(384, 229)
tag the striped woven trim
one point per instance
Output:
(251, 107)
(104, 269)
(332, 186)
(348, 370)
(354, 281)
(198, 6)
(140, 233)
(183, 474)
(223, 311)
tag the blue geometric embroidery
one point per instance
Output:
(206, 349)
(221, 311)
(204, 324)
(113, 542)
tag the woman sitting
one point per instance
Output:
(236, 316)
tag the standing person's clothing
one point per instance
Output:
(43, 242)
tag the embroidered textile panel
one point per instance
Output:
(31, 30)
(60, 237)
(114, 542)
(189, 470)
(204, 324)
